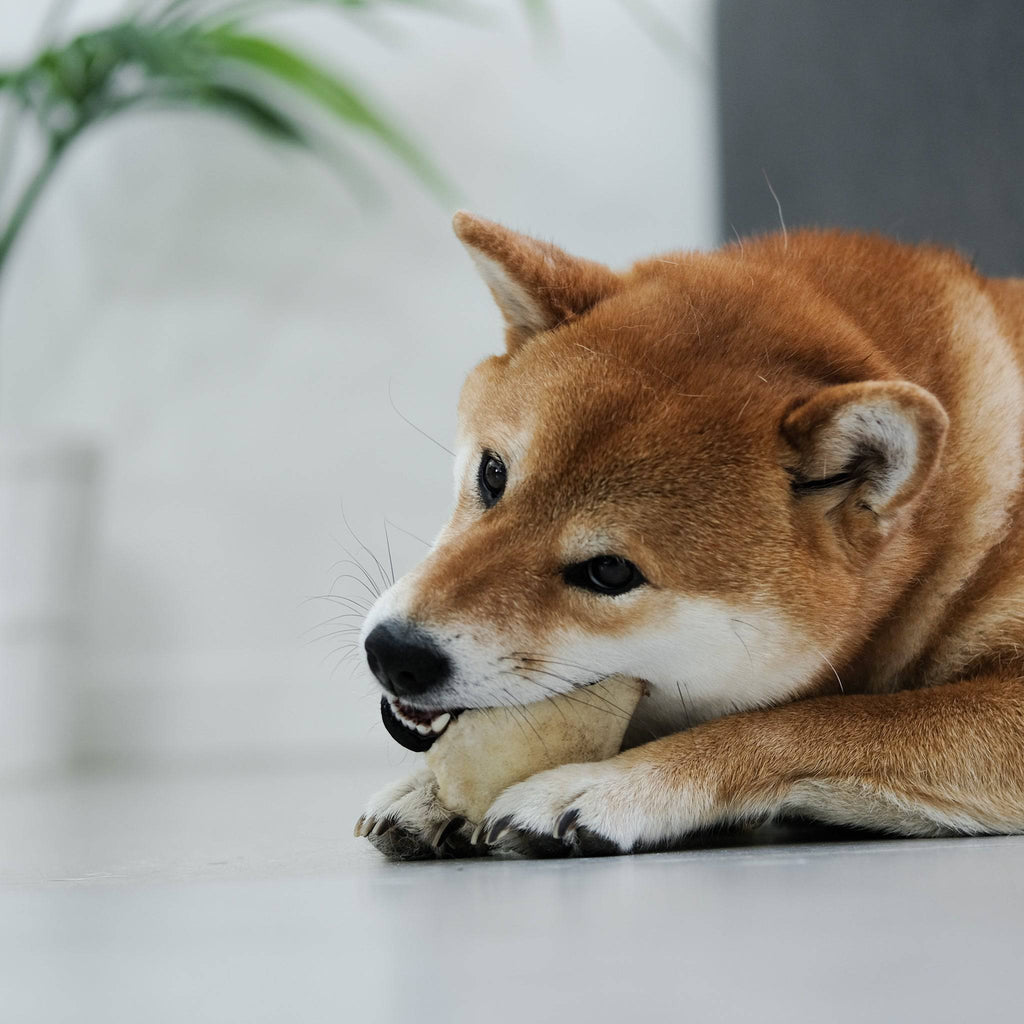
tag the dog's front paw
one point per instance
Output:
(405, 821)
(577, 809)
(606, 807)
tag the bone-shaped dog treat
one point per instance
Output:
(485, 751)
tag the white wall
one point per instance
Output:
(226, 320)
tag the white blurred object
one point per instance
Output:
(224, 317)
(47, 497)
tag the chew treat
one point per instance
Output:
(487, 750)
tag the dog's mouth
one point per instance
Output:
(414, 728)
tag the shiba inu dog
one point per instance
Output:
(781, 483)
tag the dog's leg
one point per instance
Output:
(405, 821)
(937, 761)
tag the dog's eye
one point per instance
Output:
(607, 574)
(491, 478)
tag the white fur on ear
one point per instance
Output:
(883, 436)
(521, 310)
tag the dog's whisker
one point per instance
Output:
(408, 533)
(356, 538)
(551, 675)
(343, 631)
(749, 625)
(533, 682)
(544, 659)
(374, 583)
(585, 688)
(736, 633)
(576, 695)
(337, 618)
(824, 658)
(348, 576)
(350, 602)
(358, 565)
(580, 685)
(326, 636)
(419, 430)
(329, 622)
(508, 707)
(528, 715)
(349, 648)
(548, 689)
(391, 560)
(683, 704)
(341, 662)
(591, 692)
(520, 709)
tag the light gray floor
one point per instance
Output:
(241, 896)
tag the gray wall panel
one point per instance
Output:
(905, 117)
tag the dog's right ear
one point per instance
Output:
(537, 286)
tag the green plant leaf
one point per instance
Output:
(238, 103)
(194, 53)
(328, 91)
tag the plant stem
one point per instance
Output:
(24, 205)
(49, 28)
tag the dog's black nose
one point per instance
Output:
(405, 661)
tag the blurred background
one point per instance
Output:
(212, 332)
(219, 318)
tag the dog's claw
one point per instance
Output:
(478, 834)
(358, 830)
(499, 830)
(382, 826)
(445, 831)
(566, 826)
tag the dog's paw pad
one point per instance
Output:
(592, 844)
(526, 843)
(398, 843)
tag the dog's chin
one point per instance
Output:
(414, 728)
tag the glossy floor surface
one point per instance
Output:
(240, 896)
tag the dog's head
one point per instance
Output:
(687, 473)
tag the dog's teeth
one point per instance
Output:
(437, 725)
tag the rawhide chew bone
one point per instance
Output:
(487, 750)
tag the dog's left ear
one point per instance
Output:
(537, 286)
(863, 452)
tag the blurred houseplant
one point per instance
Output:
(185, 54)
(194, 54)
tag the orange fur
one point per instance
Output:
(681, 413)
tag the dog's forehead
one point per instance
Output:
(573, 396)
